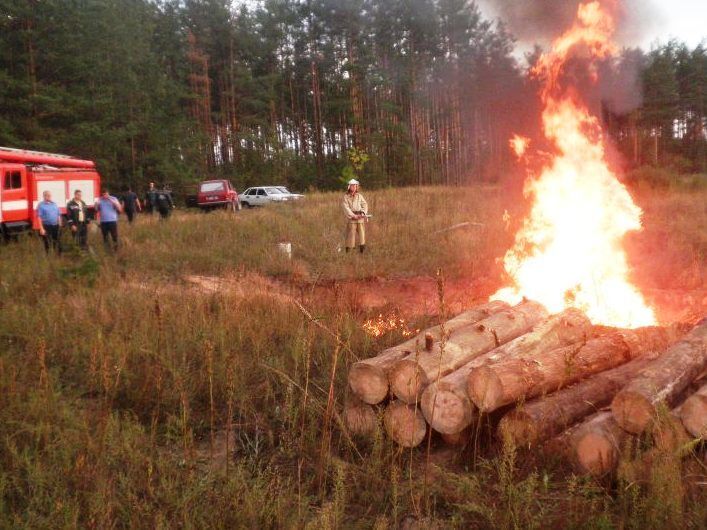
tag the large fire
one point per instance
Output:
(569, 253)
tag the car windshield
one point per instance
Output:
(211, 186)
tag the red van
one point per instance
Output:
(218, 194)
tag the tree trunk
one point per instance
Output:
(411, 375)
(664, 381)
(491, 387)
(541, 419)
(693, 413)
(597, 443)
(369, 378)
(446, 405)
(404, 424)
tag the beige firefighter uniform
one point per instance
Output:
(353, 204)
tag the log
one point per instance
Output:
(524, 377)
(369, 378)
(360, 418)
(664, 381)
(597, 443)
(446, 405)
(669, 434)
(404, 424)
(544, 417)
(457, 439)
(693, 413)
(410, 375)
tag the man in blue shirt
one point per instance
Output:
(108, 208)
(49, 218)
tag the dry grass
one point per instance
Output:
(128, 381)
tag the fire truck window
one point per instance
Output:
(13, 180)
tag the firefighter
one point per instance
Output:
(164, 203)
(77, 216)
(151, 198)
(49, 218)
(108, 208)
(131, 204)
(356, 211)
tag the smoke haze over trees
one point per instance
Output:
(174, 90)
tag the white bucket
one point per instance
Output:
(286, 249)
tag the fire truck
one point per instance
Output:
(26, 175)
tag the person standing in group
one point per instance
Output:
(131, 204)
(77, 214)
(356, 211)
(49, 218)
(151, 198)
(165, 204)
(108, 208)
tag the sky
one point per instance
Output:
(646, 22)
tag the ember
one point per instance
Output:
(569, 253)
(381, 325)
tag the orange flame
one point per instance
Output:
(569, 253)
(519, 144)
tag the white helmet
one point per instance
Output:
(353, 182)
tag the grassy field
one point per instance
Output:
(194, 379)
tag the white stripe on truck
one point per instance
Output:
(13, 206)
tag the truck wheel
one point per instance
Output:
(246, 204)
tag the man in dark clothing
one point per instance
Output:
(131, 204)
(151, 198)
(77, 215)
(165, 204)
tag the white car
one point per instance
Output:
(291, 195)
(262, 195)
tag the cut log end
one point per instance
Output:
(404, 424)
(693, 414)
(447, 409)
(632, 411)
(457, 439)
(360, 419)
(368, 382)
(517, 429)
(485, 389)
(596, 453)
(407, 380)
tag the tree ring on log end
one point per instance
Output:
(368, 382)
(517, 428)
(596, 454)
(407, 380)
(632, 411)
(447, 409)
(485, 388)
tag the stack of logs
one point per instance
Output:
(552, 379)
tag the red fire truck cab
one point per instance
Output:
(26, 175)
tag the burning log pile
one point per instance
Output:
(545, 380)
